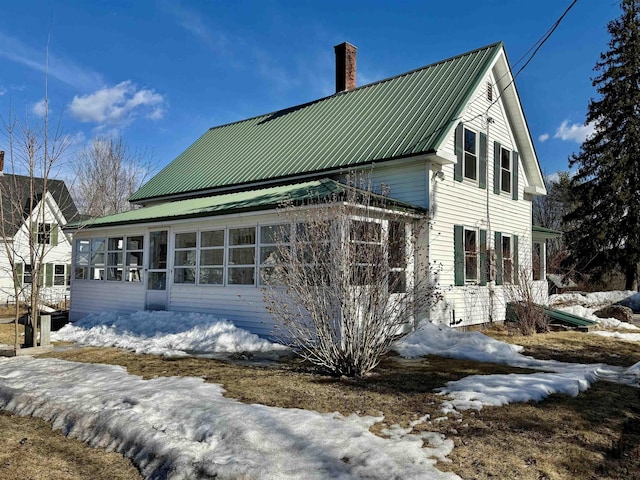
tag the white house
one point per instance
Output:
(24, 214)
(448, 141)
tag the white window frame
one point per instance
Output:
(44, 233)
(190, 254)
(507, 260)
(63, 275)
(211, 248)
(506, 170)
(467, 153)
(230, 249)
(280, 238)
(471, 254)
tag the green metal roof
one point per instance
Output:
(249, 200)
(402, 116)
(542, 232)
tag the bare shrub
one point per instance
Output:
(344, 284)
(522, 306)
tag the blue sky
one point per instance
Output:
(161, 73)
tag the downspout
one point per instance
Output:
(490, 260)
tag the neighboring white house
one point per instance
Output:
(42, 218)
(448, 141)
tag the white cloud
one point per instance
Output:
(39, 109)
(544, 137)
(574, 132)
(2, 90)
(117, 105)
(59, 68)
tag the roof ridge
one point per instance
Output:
(362, 87)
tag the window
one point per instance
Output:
(470, 155)
(115, 258)
(83, 249)
(184, 263)
(507, 260)
(272, 239)
(397, 257)
(470, 256)
(489, 92)
(27, 278)
(59, 275)
(505, 170)
(134, 260)
(366, 251)
(211, 270)
(241, 256)
(96, 270)
(538, 261)
(125, 258)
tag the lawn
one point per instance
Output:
(593, 435)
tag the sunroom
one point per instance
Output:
(216, 254)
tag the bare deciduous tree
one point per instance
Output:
(523, 306)
(107, 174)
(33, 151)
(344, 284)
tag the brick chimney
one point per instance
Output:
(345, 67)
(1, 161)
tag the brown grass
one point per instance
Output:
(595, 435)
(31, 450)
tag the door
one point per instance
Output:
(157, 293)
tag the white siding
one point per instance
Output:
(54, 254)
(243, 305)
(95, 297)
(464, 203)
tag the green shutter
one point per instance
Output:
(482, 155)
(459, 148)
(498, 249)
(18, 274)
(49, 275)
(516, 268)
(54, 234)
(496, 168)
(458, 254)
(67, 278)
(514, 173)
(483, 257)
(34, 232)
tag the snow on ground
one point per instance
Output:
(629, 337)
(478, 390)
(593, 299)
(164, 333)
(179, 428)
(584, 304)
(183, 428)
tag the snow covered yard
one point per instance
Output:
(285, 425)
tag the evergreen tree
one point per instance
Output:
(604, 226)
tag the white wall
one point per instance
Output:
(58, 254)
(243, 305)
(464, 203)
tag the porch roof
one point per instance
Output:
(250, 200)
(542, 233)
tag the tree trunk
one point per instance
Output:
(631, 278)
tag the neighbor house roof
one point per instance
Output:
(403, 116)
(247, 200)
(16, 205)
